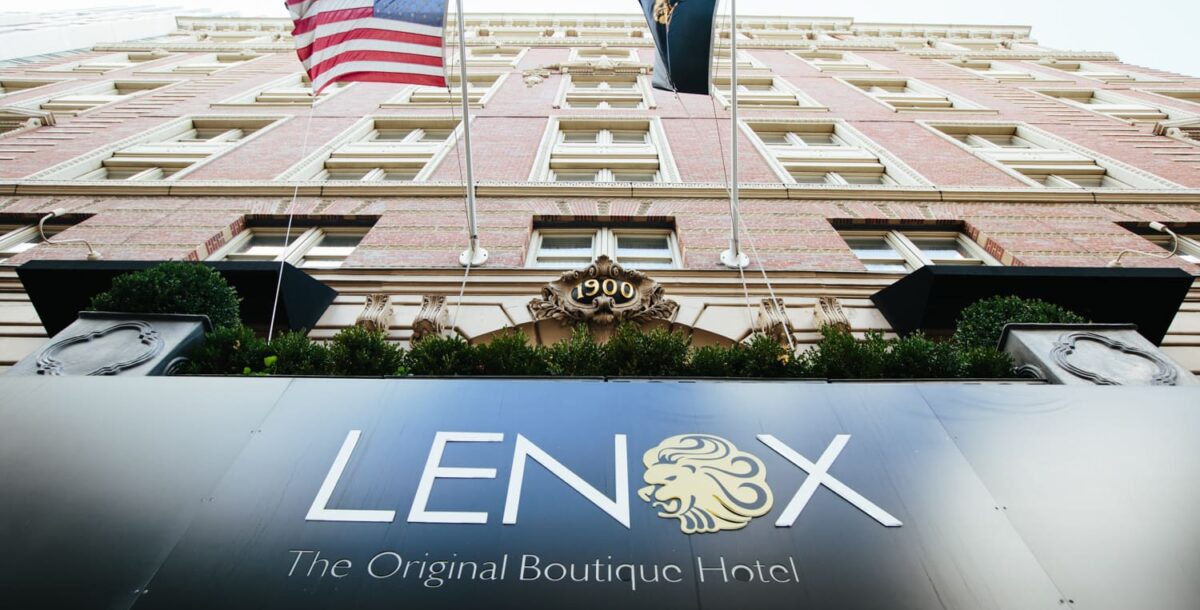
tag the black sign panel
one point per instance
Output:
(274, 493)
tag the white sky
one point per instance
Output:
(1155, 33)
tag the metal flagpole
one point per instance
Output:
(733, 257)
(474, 255)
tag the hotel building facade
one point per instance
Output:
(865, 150)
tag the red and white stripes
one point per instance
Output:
(343, 40)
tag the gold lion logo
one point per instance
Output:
(663, 9)
(706, 483)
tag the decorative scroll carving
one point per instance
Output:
(535, 76)
(773, 320)
(431, 319)
(1064, 347)
(376, 314)
(604, 293)
(49, 362)
(828, 312)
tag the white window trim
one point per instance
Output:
(604, 241)
(20, 235)
(902, 241)
(194, 60)
(642, 85)
(486, 62)
(94, 87)
(871, 66)
(403, 99)
(1136, 178)
(959, 103)
(302, 239)
(1189, 246)
(246, 98)
(45, 82)
(1192, 103)
(71, 67)
(88, 161)
(897, 170)
(1129, 76)
(750, 64)
(312, 165)
(1036, 77)
(577, 54)
(804, 102)
(667, 171)
(1110, 97)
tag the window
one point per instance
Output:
(746, 63)
(294, 90)
(632, 247)
(9, 86)
(826, 152)
(606, 92)
(1040, 159)
(1103, 72)
(108, 63)
(1189, 242)
(490, 57)
(603, 53)
(908, 95)
(480, 89)
(904, 251)
(1002, 72)
(1186, 95)
(307, 247)
(166, 153)
(381, 149)
(764, 91)
(208, 64)
(625, 150)
(94, 96)
(837, 61)
(15, 239)
(1115, 105)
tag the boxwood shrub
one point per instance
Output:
(173, 287)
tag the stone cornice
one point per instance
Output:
(200, 188)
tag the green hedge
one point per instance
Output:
(629, 353)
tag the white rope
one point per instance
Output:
(287, 235)
(770, 289)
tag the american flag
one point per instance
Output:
(380, 41)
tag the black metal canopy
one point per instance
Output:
(931, 298)
(59, 290)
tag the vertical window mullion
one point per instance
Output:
(605, 243)
(294, 251)
(908, 249)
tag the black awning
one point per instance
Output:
(59, 290)
(931, 298)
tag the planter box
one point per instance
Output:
(107, 343)
(1091, 354)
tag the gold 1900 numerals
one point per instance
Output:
(590, 289)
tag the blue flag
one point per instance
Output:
(683, 31)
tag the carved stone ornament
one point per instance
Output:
(827, 311)
(431, 319)
(1164, 373)
(773, 320)
(376, 314)
(604, 293)
(50, 360)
